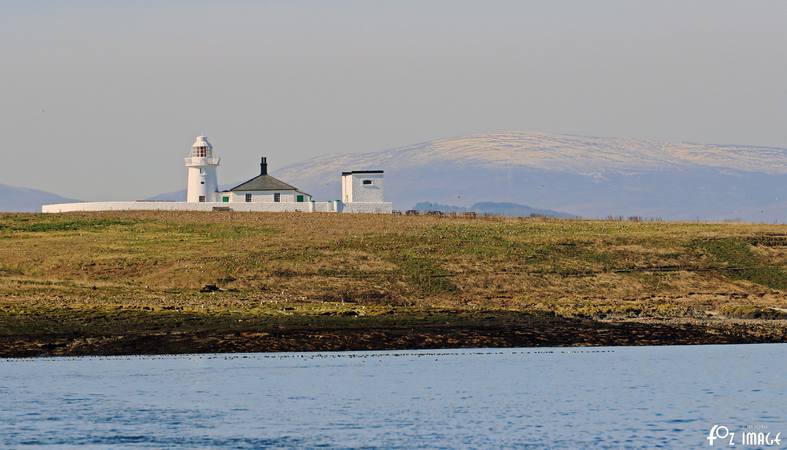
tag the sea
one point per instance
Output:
(604, 397)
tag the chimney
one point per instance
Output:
(264, 166)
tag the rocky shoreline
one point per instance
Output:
(532, 331)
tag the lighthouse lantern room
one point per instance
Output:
(201, 165)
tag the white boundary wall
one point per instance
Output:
(332, 206)
(368, 207)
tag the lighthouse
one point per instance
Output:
(202, 185)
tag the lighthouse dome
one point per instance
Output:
(201, 148)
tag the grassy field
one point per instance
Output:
(174, 282)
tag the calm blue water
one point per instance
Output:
(569, 398)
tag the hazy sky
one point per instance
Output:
(101, 100)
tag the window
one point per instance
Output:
(201, 182)
(225, 199)
(202, 198)
(367, 182)
(248, 198)
(299, 198)
(277, 197)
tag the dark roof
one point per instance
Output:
(264, 183)
(362, 171)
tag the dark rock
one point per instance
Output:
(210, 288)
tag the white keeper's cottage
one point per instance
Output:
(362, 192)
(264, 188)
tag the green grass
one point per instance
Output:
(425, 275)
(741, 263)
(57, 223)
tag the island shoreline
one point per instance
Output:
(536, 332)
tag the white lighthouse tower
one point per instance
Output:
(202, 184)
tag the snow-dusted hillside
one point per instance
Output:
(564, 153)
(589, 176)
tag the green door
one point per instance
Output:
(299, 198)
(225, 199)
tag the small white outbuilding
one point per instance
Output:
(365, 186)
(362, 191)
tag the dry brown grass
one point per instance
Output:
(324, 262)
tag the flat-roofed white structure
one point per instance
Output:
(365, 186)
(363, 191)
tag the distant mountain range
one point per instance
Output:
(585, 176)
(18, 199)
(496, 208)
